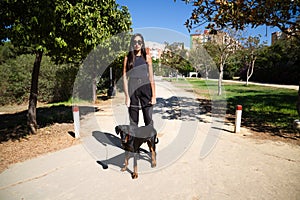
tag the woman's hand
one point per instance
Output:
(153, 100)
(127, 101)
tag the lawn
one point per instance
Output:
(265, 109)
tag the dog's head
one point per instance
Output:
(125, 136)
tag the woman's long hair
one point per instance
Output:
(131, 55)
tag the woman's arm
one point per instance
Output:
(151, 79)
(125, 83)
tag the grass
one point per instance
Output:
(265, 109)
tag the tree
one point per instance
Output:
(252, 45)
(110, 56)
(220, 48)
(65, 30)
(220, 54)
(200, 60)
(219, 14)
(174, 56)
(234, 65)
(283, 14)
(278, 63)
(298, 103)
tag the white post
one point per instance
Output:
(238, 118)
(76, 121)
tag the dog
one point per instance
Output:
(132, 137)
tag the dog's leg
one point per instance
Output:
(135, 170)
(125, 161)
(153, 158)
(153, 153)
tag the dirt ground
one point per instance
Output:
(60, 135)
(48, 139)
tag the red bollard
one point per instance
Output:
(238, 118)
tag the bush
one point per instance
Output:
(55, 81)
(279, 63)
(15, 79)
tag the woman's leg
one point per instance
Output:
(134, 110)
(147, 107)
(147, 114)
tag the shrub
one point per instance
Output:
(55, 81)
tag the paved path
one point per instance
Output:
(292, 87)
(234, 167)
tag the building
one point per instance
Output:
(154, 49)
(283, 36)
(206, 36)
(155, 53)
(278, 35)
(218, 37)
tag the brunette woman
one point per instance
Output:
(138, 82)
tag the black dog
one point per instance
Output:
(132, 138)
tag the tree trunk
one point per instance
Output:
(94, 88)
(250, 67)
(298, 103)
(247, 78)
(220, 81)
(94, 80)
(31, 120)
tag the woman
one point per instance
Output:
(138, 80)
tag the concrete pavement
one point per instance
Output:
(234, 167)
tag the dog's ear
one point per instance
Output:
(117, 130)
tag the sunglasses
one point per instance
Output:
(139, 42)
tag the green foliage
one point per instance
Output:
(66, 30)
(15, 79)
(175, 57)
(279, 63)
(159, 69)
(55, 83)
(215, 52)
(28, 24)
(117, 72)
(283, 14)
(89, 23)
(201, 61)
(6, 52)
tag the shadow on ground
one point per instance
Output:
(270, 118)
(14, 126)
(108, 139)
(262, 112)
(189, 109)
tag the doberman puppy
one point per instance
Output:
(132, 137)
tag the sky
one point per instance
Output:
(163, 20)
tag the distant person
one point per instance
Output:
(138, 81)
